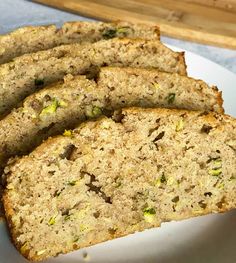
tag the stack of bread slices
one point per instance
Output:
(103, 134)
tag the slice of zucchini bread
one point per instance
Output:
(170, 89)
(30, 72)
(113, 177)
(34, 38)
(63, 105)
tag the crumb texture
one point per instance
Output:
(30, 72)
(35, 38)
(115, 176)
(63, 105)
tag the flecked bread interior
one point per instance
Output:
(112, 177)
(35, 38)
(63, 105)
(30, 72)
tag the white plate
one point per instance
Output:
(206, 239)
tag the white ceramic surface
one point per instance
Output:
(207, 239)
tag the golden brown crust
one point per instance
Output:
(183, 62)
(220, 100)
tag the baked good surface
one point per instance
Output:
(63, 105)
(114, 176)
(31, 72)
(35, 38)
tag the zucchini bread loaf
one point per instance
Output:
(30, 72)
(63, 105)
(34, 38)
(113, 177)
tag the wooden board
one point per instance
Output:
(229, 5)
(203, 21)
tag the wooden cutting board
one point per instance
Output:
(204, 21)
